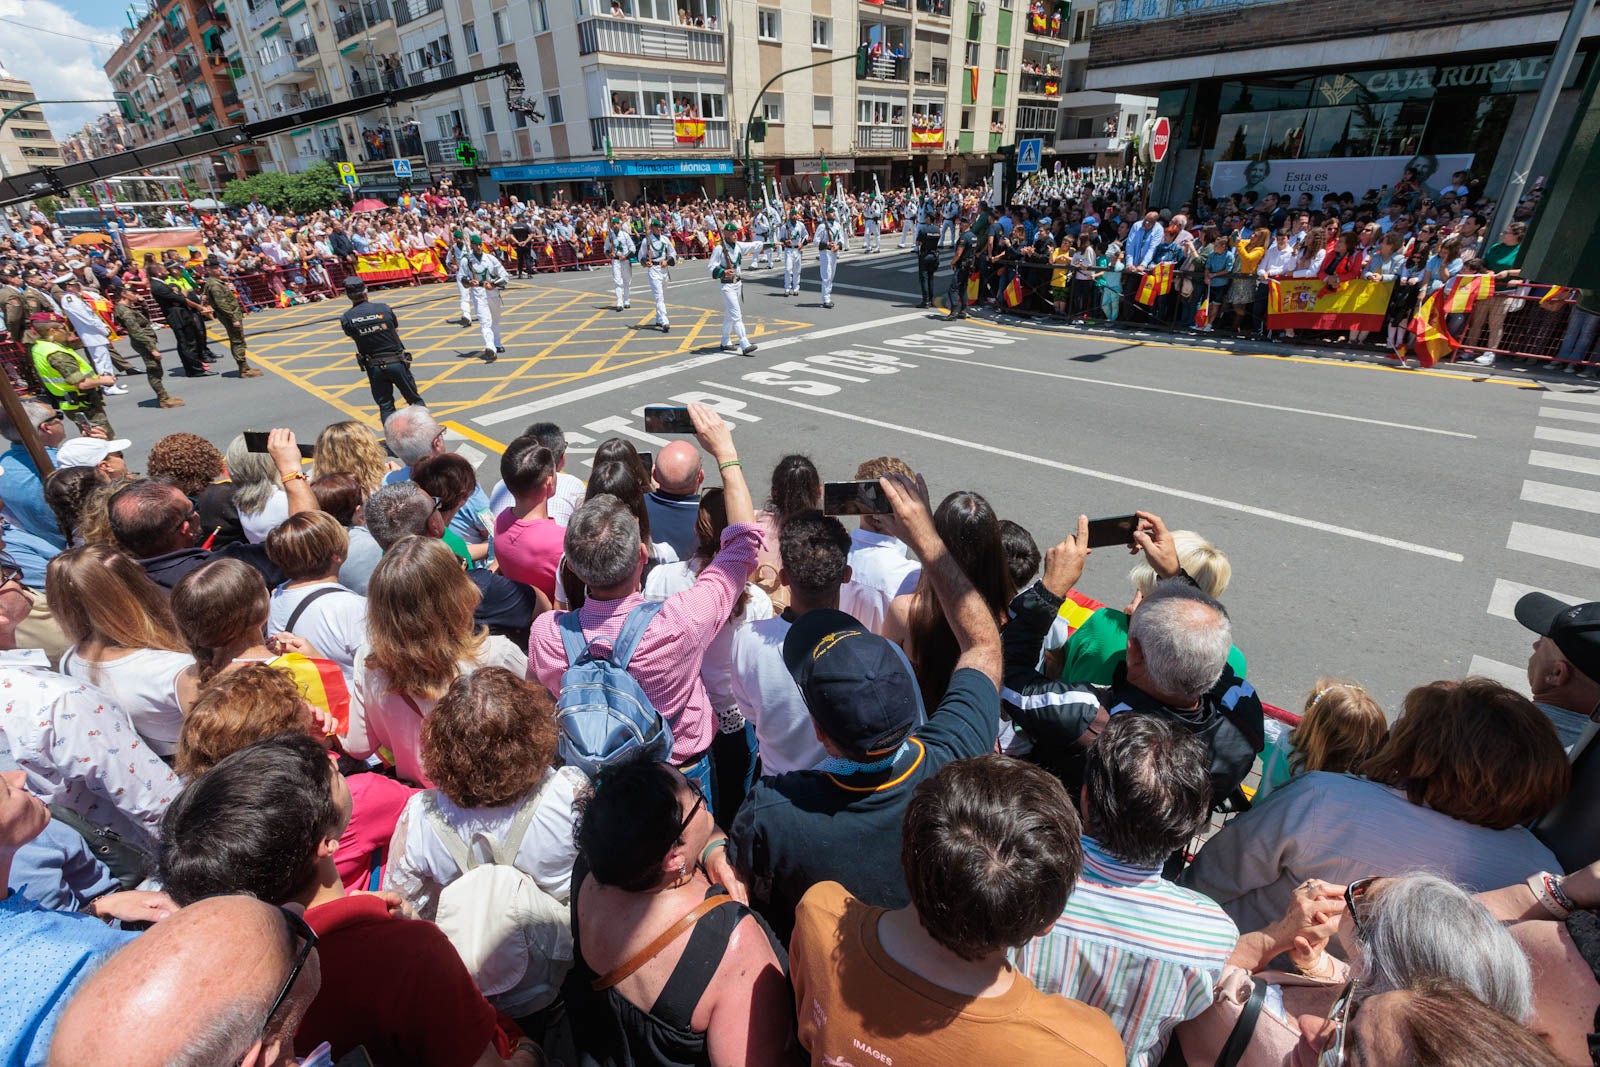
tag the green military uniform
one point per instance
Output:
(133, 322)
(229, 311)
(60, 369)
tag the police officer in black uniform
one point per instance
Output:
(378, 349)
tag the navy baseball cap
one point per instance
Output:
(1574, 628)
(855, 684)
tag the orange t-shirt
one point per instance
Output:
(856, 1005)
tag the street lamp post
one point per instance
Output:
(9, 112)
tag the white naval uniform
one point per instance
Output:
(491, 277)
(91, 330)
(657, 254)
(908, 221)
(458, 255)
(872, 222)
(792, 237)
(619, 246)
(829, 233)
(732, 292)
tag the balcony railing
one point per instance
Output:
(409, 10)
(630, 37)
(646, 131)
(433, 73)
(887, 68)
(882, 137)
(367, 15)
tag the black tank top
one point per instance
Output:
(612, 1031)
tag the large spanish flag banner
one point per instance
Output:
(689, 131)
(1306, 304)
(383, 267)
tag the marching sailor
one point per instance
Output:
(484, 277)
(657, 254)
(792, 237)
(725, 262)
(620, 247)
(872, 216)
(830, 237)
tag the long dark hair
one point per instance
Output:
(970, 530)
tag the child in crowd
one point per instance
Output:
(1341, 728)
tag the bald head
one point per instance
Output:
(678, 468)
(194, 989)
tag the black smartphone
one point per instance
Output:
(667, 420)
(1117, 530)
(256, 441)
(854, 498)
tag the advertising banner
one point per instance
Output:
(1352, 174)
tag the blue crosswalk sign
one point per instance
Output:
(402, 168)
(1028, 153)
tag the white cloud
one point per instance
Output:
(60, 68)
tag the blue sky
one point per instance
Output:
(32, 46)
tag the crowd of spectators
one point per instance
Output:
(354, 762)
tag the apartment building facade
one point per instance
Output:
(26, 142)
(172, 65)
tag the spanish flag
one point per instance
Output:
(1014, 293)
(689, 131)
(1156, 283)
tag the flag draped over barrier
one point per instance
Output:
(1308, 304)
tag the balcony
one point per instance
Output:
(659, 40)
(367, 15)
(882, 137)
(887, 68)
(649, 132)
(433, 73)
(410, 10)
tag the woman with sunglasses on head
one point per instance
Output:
(668, 968)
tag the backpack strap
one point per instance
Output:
(653, 949)
(633, 632)
(300, 609)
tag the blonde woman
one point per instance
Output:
(221, 610)
(420, 638)
(351, 448)
(258, 491)
(124, 638)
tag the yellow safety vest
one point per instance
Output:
(67, 397)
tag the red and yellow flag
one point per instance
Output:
(689, 131)
(1156, 283)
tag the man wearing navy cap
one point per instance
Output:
(840, 821)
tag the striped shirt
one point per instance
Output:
(1140, 948)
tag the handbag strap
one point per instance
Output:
(1245, 1027)
(653, 949)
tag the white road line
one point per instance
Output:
(1562, 496)
(1570, 415)
(649, 374)
(1106, 476)
(1503, 600)
(1554, 544)
(1566, 437)
(1504, 673)
(1560, 461)
(1200, 396)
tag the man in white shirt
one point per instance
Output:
(77, 747)
(816, 570)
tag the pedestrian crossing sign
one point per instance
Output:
(1028, 153)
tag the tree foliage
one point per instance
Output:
(313, 189)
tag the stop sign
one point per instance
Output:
(1160, 138)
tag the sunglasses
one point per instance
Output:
(306, 937)
(694, 809)
(1336, 1053)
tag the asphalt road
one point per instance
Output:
(1380, 523)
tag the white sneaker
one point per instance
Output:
(1485, 359)
(115, 390)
